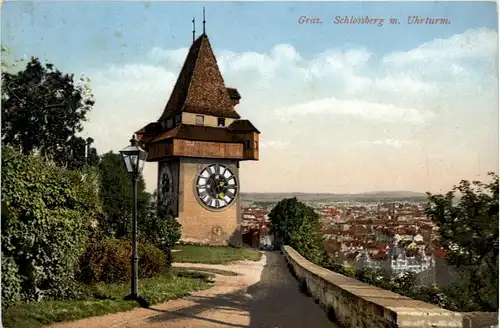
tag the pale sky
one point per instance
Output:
(341, 108)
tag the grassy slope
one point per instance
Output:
(213, 254)
(106, 299)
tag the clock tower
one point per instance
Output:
(199, 142)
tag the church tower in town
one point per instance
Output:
(198, 142)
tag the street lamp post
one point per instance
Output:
(134, 158)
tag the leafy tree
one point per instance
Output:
(92, 158)
(469, 233)
(8, 62)
(116, 195)
(297, 225)
(43, 110)
(405, 282)
(160, 228)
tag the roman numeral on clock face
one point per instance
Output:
(212, 170)
(202, 193)
(230, 193)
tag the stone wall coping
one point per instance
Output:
(398, 309)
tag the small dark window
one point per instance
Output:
(199, 120)
(221, 121)
(178, 119)
(247, 144)
(170, 123)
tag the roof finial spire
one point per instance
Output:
(204, 20)
(194, 29)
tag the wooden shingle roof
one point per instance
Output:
(200, 87)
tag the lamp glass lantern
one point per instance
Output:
(134, 157)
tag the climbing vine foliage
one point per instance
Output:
(47, 212)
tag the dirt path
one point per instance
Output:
(263, 295)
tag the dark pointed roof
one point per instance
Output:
(151, 128)
(233, 93)
(242, 126)
(200, 87)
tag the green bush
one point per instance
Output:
(368, 275)
(109, 261)
(349, 271)
(432, 294)
(159, 228)
(46, 211)
(151, 260)
(11, 280)
(106, 261)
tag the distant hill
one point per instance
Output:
(393, 194)
(367, 197)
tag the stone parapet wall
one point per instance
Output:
(354, 304)
(480, 320)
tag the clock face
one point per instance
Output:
(165, 186)
(216, 186)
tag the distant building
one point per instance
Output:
(255, 228)
(266, 239)
(398, 261)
